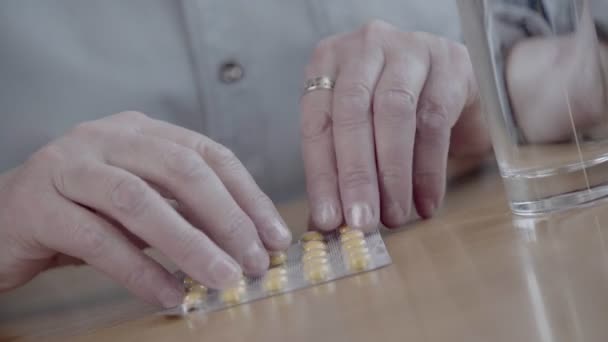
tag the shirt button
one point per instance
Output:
(231, 72)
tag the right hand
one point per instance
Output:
(90, 196)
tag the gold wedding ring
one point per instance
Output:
(317, 83)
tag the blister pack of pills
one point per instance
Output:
(315, 259)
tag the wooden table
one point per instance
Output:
(475, 273)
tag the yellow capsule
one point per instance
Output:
(358, 262)
(277, 271)
(193, 299)
(312, 236)
(317, 273)
(351, 234)
(233, 295)
(198, 288)
(344, 229)
(313, 263)
(274, 283)
(354, 243)
(314, 245)
(188, 282)
(356, 251)
(313, 254)
(277, 259)
(242, 282)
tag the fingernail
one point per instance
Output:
(224, 273)
(396, 214)
(325, 214)
(256, 259)
(428, 208)
(432, 119)
(280, 234)
(171, 297)
(361, 216)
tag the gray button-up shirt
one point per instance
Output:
(231, 69)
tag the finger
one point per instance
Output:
(395, 102)
(236, 179)
(354, 137)
(317, 144)
(265, 217)
(129, 200)
(440, 104)
(469, 139)
(82, 235)
(134, 239)
(197, 188)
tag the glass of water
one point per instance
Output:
(542, 70)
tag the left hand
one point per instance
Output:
(402, 102)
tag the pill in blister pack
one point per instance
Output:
(316, 258)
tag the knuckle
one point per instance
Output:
(421, 36)
(264, 208)
(323, 50)
(130, 115)
(184, 164)
(460, 51)
(375, 28)
(315, 125)
(356, 178)
(86, 129)
(48, 155)
(48, 159)
(220, 155)
(237, 221)
(459, 55)
(391, 174)
(190, 251)
(92, 240)
(412, 48)
(130, 121)
(433, 118)
(61, 177)
(130, 195)
(441, 43)
(135, 277)
(355, 96)
(395, 103)
(354, 102)
(421, 44)
(261, 200)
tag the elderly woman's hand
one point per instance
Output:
(108, 187)
(402, 103)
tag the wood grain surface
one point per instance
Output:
(473, 273)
